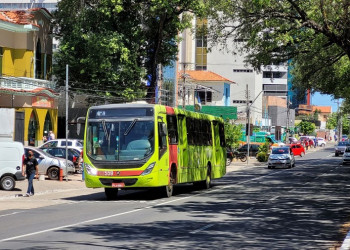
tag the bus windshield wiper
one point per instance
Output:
(130, 127)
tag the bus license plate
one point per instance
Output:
(118, 185)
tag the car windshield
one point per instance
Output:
(280, 151)
(120, 140)
(343, 143)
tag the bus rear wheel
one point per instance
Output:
(111, 193)
(170, 187)
(206, 184)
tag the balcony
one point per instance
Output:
(24, 83)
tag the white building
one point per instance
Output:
(271, 81)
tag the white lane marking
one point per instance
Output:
(201, 229)
(92, 220)
(273, 198)
(346, 242)
(10, 214)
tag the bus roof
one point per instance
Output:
(142, 105)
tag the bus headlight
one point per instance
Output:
(90, 170)
(149, 169)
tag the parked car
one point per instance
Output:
(340, 148)
(346, 156)
(11, 162)
(297, 149)
(321, 142)
(73, 155)
(253, 149)
(50, 165)
(281, 157)
(61, 143)
(292, 140)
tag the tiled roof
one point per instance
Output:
(203, 76)
(322, 109)
(21, 17)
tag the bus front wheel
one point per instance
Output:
(111, 193)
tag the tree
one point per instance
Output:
(313, 34)
(112, 47)
(233, 133)
(332, 121)
(307, 128)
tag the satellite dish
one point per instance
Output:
(197, 107)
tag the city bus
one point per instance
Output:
(150, 145)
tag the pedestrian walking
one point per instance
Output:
(31, 170)
(51, 136)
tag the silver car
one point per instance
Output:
(50, 165)
(346, 156)
(340, 148)
(61, 143)
(281, 157)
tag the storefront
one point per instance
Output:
(39, 110)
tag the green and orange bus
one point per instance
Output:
(150, 145)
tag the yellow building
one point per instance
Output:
(25, 73)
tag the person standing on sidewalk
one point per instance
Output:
(30, 168)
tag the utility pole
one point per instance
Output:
(339, 122)
(248, 122)
(288, 110)
(67, 103)
(184, 87)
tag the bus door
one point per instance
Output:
(163, 153)
(182, 149)
(218, 168)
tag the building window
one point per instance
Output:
(275, 75)
(201, 44)
(38, 62)
(242, 70)
(205, 96)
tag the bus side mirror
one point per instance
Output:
(80, 122)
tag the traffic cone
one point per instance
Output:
(61, 174)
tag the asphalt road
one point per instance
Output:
(306, 207)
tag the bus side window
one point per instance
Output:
(190, 132)
(222, 134)
(172, 129)
(162, 139)
(209, 134)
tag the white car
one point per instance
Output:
(346, 156)
(321, 142)
(281, 156)
(61, 143)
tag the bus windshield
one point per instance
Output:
(120, 140)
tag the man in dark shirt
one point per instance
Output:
(30, 168)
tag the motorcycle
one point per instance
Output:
(234, 154)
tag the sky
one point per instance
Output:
(324, 100)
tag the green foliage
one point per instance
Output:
(262, 157)
(332, 121)
(232, 134)
(307, 128)
(309, 34)
(264, 148)
(112, 46)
